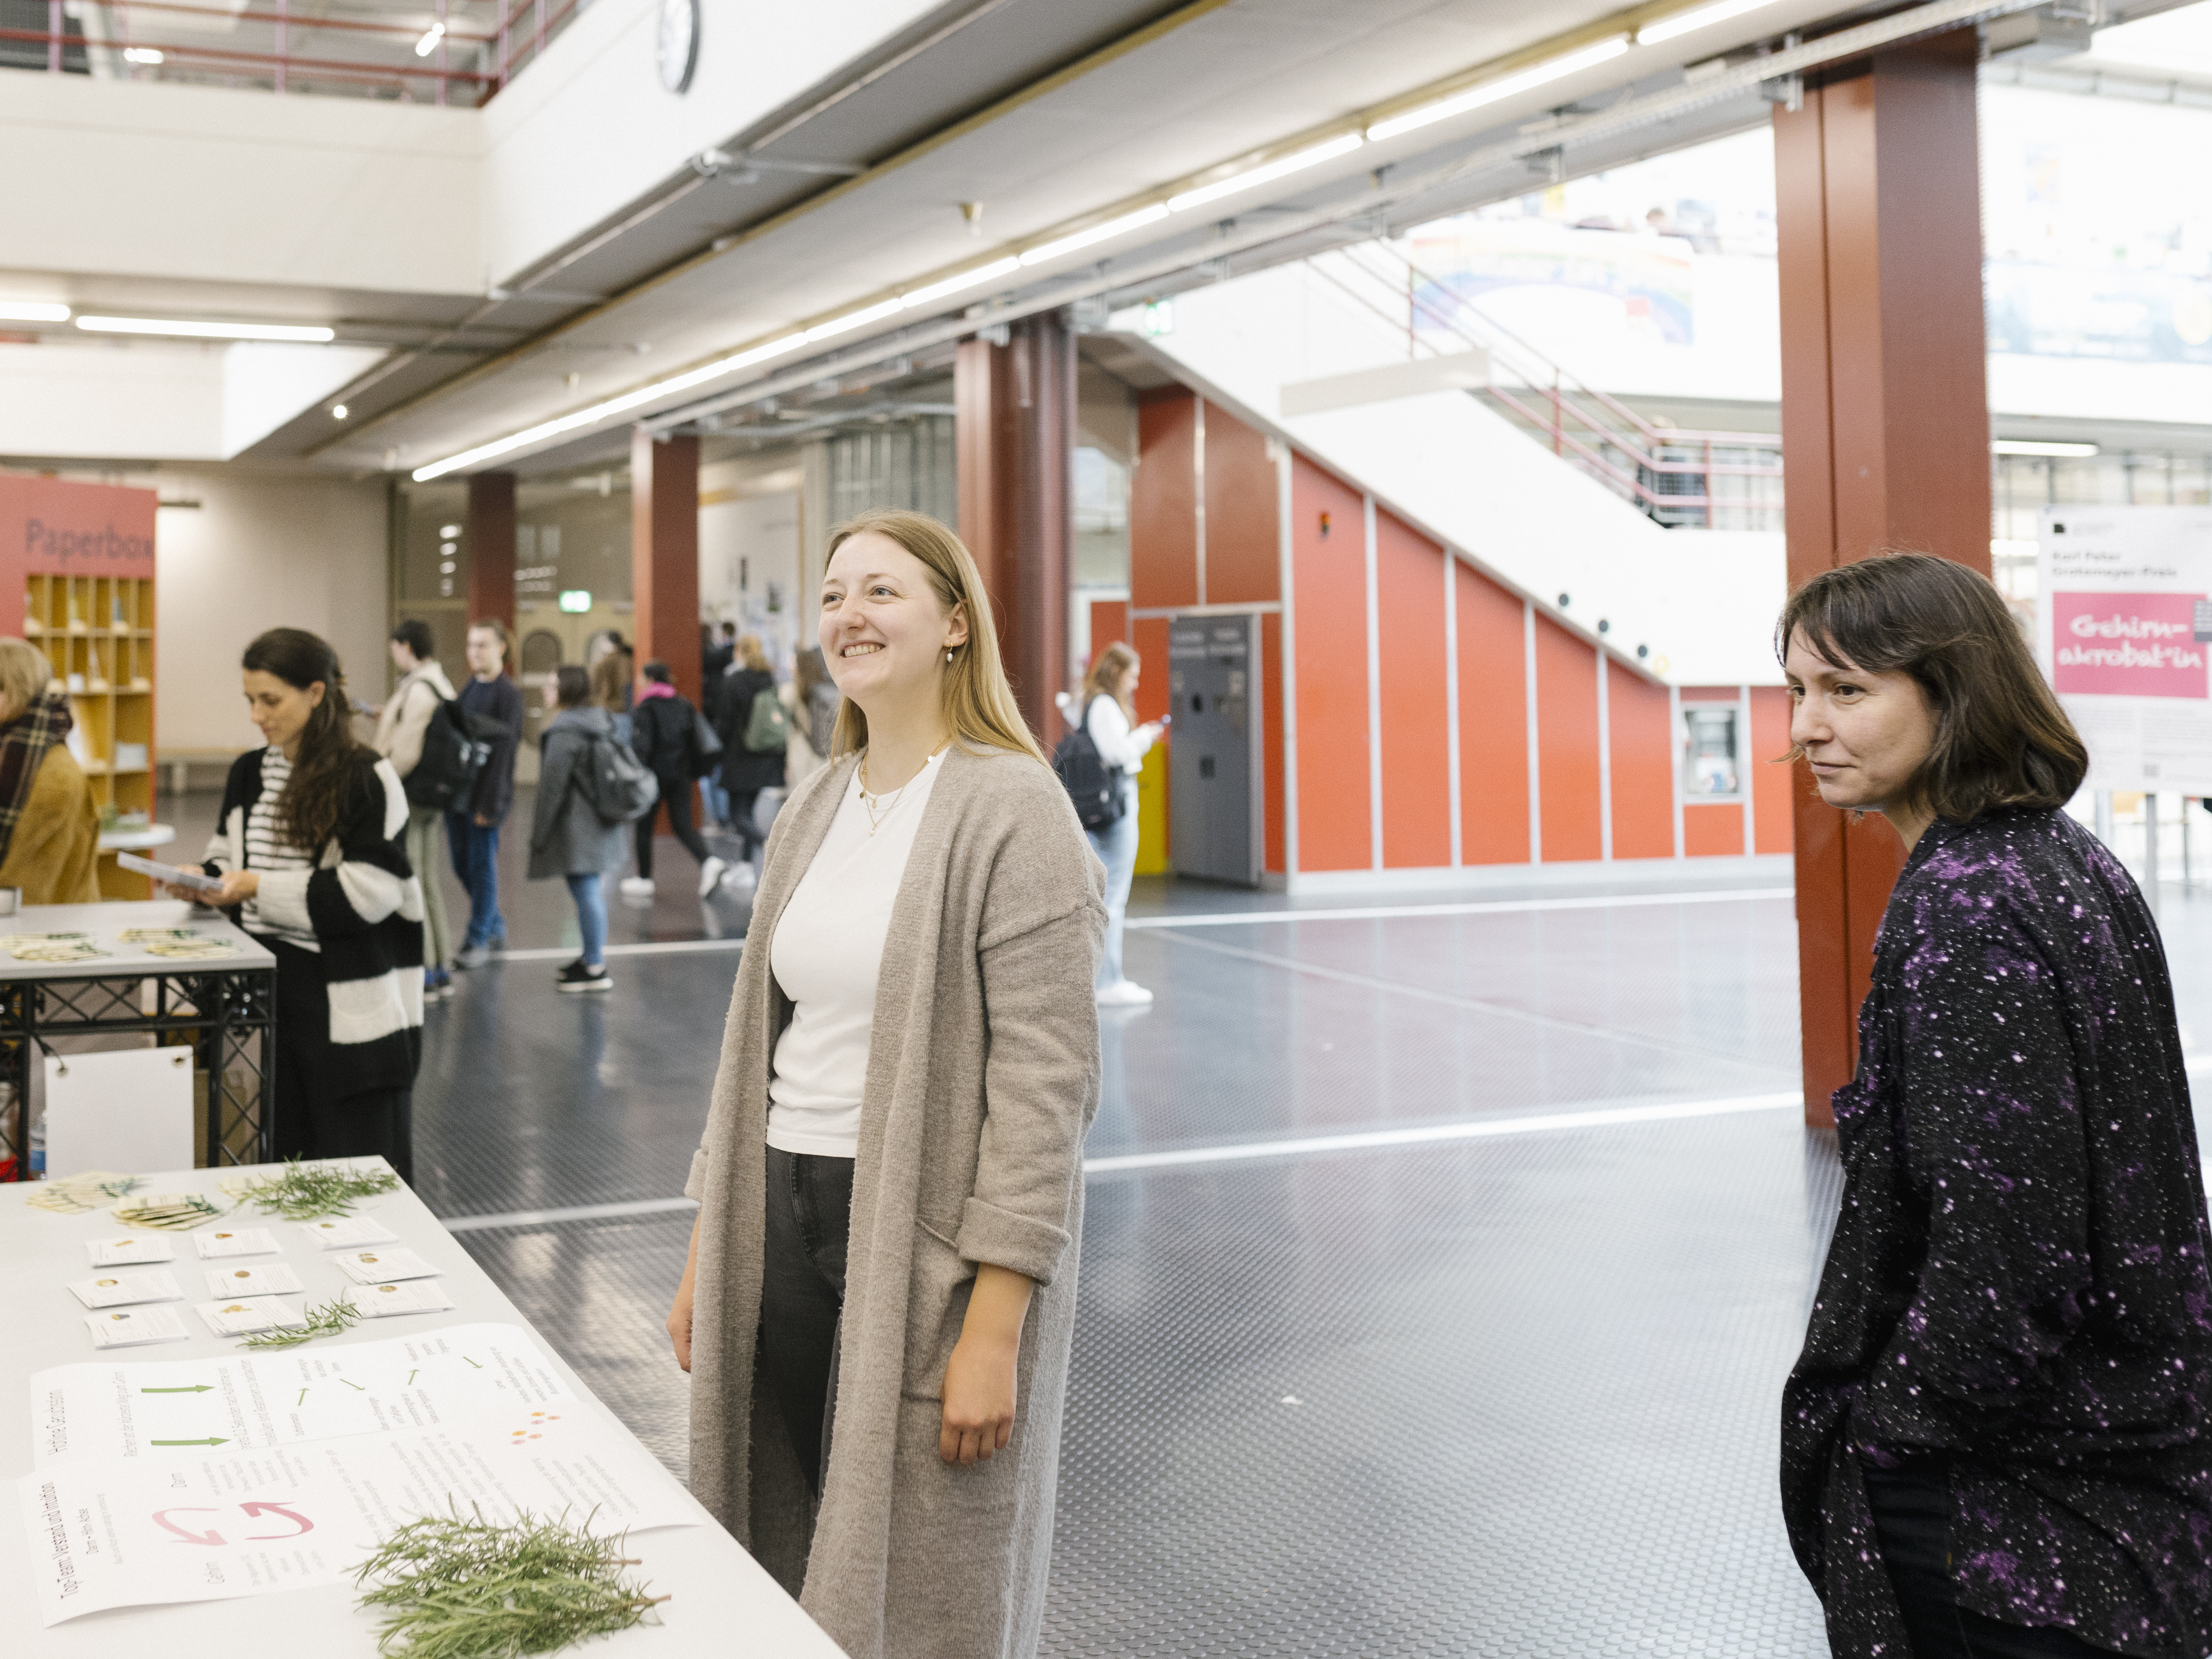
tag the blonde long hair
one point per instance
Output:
(977, 703)
(1110, 678)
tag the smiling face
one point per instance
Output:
(885, 632)
(278, 707)
(1865, 735)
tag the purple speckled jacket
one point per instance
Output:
(2017, 1280)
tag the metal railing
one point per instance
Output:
(1711, 480)
(467, 51)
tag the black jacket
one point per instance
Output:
(742, 769)
(499, 699)
(660, 735)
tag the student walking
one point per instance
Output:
(400, 726)
(1110, 718)
(880, 1294)
(750, 720)
(570, 836)
(1997, 1441)
(472, 830)
(664, 733)
(311, 848)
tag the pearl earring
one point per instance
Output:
(948, 656)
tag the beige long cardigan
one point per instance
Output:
(983, 1075)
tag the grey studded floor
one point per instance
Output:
(1506, 1395)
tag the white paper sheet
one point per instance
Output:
(245, 1401)
(237, 1317)
(131, 1251)
(347, 1232)
(243, 1241)
(416, 1296)
(263, 1278)
(121, 1290)
(204, 1526)
(383, 1267)
(129, 1327)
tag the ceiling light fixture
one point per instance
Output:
(1266, 173)
(31, 311)
(1128, 222)
(966, 279)
(1697, 17)
(1491, 92)
(207, 331)
(853, 320)
(436, 32)
(339, 412)
(2030, 446)
(141, 55)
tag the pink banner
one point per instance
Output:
(2127, 645)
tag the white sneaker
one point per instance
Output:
(710, 875)
(637, 886)
(740, 876)
(1126, 994)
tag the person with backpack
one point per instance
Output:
(472, 823)
(1110, 722)
(664, 733)
(755, 737)
(401, 727)
(590, 787)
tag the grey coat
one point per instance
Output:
(568, 836)
(983, 1075)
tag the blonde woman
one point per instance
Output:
(877, 1306)
(1109, 716)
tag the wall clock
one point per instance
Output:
(679, 48)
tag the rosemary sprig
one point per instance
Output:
(333, 1318)
(307, 1192)
(455, 1588)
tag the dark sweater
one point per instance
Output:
(499, 699)
(2017, 1293)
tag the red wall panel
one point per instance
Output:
(1330, 673)
(1643, 766)
(1149, 635)
(1275, 817)
(1243, 562)
(1164, 502)
(1566, 739)
(1769, 780)
(1110, 621)
(1493, 723)
(1710, 830)
(1409, 598)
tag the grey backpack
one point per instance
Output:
(620, 787)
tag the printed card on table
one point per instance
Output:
(243, 1318)
(416, 1296)
(266, 1279)
(383, 1267)
(244, 1241)
(130, 1327)
(121, 1290)
(128, 1252)
(347, 1233)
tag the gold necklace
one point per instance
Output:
(868, 801)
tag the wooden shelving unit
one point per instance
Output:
(98, 632)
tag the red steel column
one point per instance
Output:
(664, 555)
(1885, 424)
(1014, 435)
(490, 547)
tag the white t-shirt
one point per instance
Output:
(1118, 745)
(827, 954)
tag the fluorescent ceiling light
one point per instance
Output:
(1152, 214)
(1265, 174)
(853, 320)
(206, 331)
(436, 32)
(30, 311)
(2026, 446)
(1697, 17)
(141, 55)
(1506, 86)
(966, 279)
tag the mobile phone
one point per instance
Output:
(1167, 719)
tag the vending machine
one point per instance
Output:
(1214, 823)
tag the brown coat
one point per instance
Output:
(54, 854)
(983, 1075)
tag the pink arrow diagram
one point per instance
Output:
(161, 1518)
(306, 1525)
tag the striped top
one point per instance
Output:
(267, 848)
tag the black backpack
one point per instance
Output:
(456, 748)
(1093, 786)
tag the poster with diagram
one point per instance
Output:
(2124, 630)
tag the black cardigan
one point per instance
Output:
(363, 905)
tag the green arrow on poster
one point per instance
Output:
(212, 1440)
(197, 1387)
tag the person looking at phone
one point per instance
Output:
(1109, 715)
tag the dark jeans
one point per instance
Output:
(1912, 1518)
(742, 802)
(676, 796)
(809, 1218)
(476, 861)
(317, 1115)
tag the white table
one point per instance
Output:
(722, 1602)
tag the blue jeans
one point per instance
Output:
(591, 917)
(1116, 847)
(476, 861)
(718, 799)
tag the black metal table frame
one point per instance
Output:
(226, 1007)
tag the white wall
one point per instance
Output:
(261, 551)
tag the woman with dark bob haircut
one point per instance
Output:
(1995, 1442)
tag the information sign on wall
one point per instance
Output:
(2124, 630)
